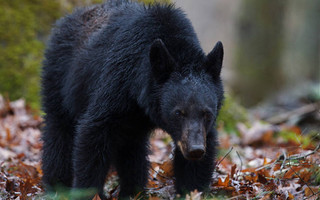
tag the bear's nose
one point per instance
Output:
(196, 151)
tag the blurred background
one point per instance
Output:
(272, 48)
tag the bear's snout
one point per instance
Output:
(196, 152)
(193, 141)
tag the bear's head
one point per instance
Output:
(189, 99)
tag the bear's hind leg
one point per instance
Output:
(57, 150)
(91, 158)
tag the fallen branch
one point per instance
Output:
(283, 158)
(283, 117)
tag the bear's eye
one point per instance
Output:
(179, 113)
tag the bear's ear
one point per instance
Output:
(161, 61)
(214, 60)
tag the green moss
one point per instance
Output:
(289, 136)
(24, 25)
(230, 114)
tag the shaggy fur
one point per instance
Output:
(114, 72)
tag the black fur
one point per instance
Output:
(114, 72)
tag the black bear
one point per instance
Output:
(114, 72)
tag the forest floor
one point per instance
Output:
(257, 159)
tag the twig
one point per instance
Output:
(269, 165)
(296, 157)
(284, 159)
(240, 160)
(301, 179)
(160, 174)
(224, 156)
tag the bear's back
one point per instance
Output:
(106, 45)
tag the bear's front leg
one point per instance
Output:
(132, 164)
(191, 175)
(91, 158)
